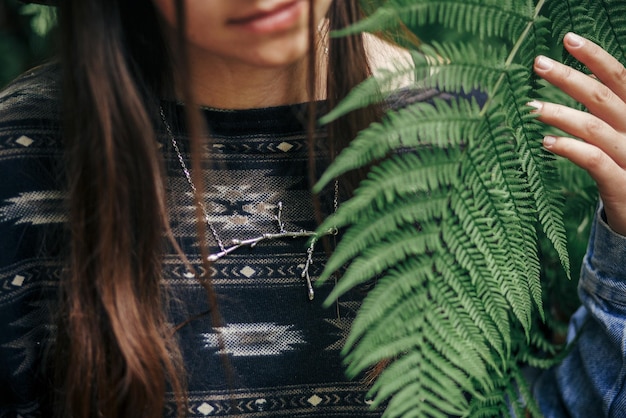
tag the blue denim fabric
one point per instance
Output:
(590, 382)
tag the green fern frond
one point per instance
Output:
(542, 180)
(414, 401)
(482, 18)
(362, 358)
(376, 226)
(372, 90)
(487, 259)
(486, 212)
(408, 369)
(537, 43)
(442, 125)
(446, 66)
(414, 276)
(447, 223)
(489, 315)
(422, 329)
(523, 387)
(470, 259)
(403, 282)
(609, 29)
(570, 16)
(455, 67)
(544, 345)
(401, 175)
(489, 407)
(379, 257)
(515, 404)
(496, 189)
(510, 396)
(454, 323)
(535, 163)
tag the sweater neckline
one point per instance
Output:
(283, 119)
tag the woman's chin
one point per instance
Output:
(277, 59)
(276, 53)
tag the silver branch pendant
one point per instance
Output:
(252, 242)
(281, 234)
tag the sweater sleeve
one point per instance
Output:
(590, 381)
(31, 225)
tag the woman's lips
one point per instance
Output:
(278, 19)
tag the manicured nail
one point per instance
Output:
(543, 63)
(574, 40)
(548, 141)
(535, 104)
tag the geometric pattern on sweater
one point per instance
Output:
(283, 349)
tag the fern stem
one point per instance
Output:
(513, 54)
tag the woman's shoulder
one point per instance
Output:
(384, 56)
(394, 67)
(33, 95)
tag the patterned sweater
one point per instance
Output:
(283, 348)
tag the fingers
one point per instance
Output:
(604, 98)
(601, 167)
(585, 126)
(603, 131)
(609, 176)
(602, 64)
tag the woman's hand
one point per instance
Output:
(603, 129)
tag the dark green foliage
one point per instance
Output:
(462, 225)
(25, 39)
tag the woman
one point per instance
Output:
(135, 334)
(104, 228)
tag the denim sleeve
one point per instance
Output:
(590, 382)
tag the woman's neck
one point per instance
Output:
(226, 85)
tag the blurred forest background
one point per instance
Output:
(26, 37)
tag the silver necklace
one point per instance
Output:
(252, 242)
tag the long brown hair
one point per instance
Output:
(116, 354)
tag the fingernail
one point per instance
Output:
(535, 104)
(574, 40)
(548, 141)
(543, 63)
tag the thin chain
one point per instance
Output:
(188, 177)
(336, 197)
(237, 243)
